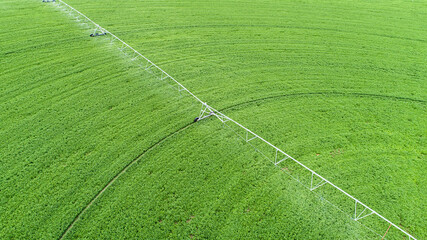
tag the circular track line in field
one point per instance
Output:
(70, 226)
(280, 27)
(326, 94)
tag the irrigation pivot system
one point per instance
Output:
(314, 182)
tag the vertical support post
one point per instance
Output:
(134, 56)
(202, 110)
(275, 158)
(355, 209)
(311, 185)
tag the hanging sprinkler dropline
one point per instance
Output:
(207, 111)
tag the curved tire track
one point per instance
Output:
(326, 94)
(135, 160)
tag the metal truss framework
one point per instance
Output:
(311, 180)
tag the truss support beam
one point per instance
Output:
(313, 184)
(148, 67)
(281, 156)
(249, 136)
(222, 117)
(180, 88)
(362, 214)
(133, 59)
(122, 47)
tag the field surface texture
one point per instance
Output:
(92, 146)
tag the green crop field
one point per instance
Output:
(92, 146)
